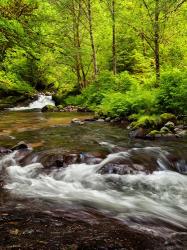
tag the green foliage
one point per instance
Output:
(134, 101)
(45, 46)
(106, 84)
(172, 95)
(11, 84)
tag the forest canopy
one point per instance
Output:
(114, 57)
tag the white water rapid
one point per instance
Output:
(38, 104)
(160, 195)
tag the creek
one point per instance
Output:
(116, 192)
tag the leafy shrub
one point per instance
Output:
(172, 95)
(132, 102)
(105, 85)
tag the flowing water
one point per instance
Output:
(41, 102)
(139, 184)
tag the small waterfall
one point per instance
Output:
(38, 104)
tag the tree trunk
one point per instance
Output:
(157, 42)
(113, 37)
(94, 57)
(81, 76)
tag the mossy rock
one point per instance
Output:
(166, 117)
(146, 121)
(49, 108)
(170, 125)
(165, 130)
(154, 133)
(60, 107)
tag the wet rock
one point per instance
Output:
(19, 146)
(60, 108)
(100, 120)
(170, 125)
(177, 130)
(181, 126)
(52, 158)
(91, 158)
(138, 133)
(83, 109)
(70, 108)
(169, 135)
(108, 119)
(89, 120)
(181, 133)
(115, 120)
(164, 130)
(4, 151)
(77, 121)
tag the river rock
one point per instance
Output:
(52, 158)
(21, 145)
(77, 121)
(182, 133)
(83, 109)
(4, 151)
(49, 108)
(89, 120)
(165, 130)
(91, 158)
(108, 119)
(100, 120)
(170, 125)
(138, 133)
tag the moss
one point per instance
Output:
(147, 121)
(49, 108)
(166, 117)
(60, 106)
(154, 132)
(165, 130)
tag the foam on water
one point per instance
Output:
(160, 195)
(38, 104)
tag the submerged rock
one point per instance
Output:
(52, 158)
(60, 158)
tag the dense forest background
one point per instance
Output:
(114, 57)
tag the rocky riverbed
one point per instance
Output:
(89, 186)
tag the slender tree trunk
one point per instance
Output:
(77, 57)
(81, 76)
(113, 38)
(94, 56)
(157, 42)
